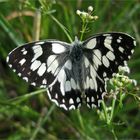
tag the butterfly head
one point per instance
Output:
(76, 39)
(77, 42)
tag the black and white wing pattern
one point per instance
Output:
(66, 92)
(74, 71)
(103, 54)
(38, 62)
(46, 64)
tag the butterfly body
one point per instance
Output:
(76, 52)
(69, 71)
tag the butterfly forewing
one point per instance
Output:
(38, 62)
(104, 53)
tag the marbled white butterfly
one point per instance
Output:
(76, 72)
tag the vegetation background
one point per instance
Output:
(25, 111)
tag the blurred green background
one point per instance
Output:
(25, 111)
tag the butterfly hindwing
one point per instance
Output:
(104, 53)
(65, 91)
(94, 85)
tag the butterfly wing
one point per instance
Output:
(66, 92)
(104, 53)
(94, 85)
(38, 62)
(47, 64)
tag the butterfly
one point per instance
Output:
(74, 72)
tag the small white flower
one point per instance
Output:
(123, 79)
(124, 69)
(78, 12)
(90, 9)
(120, 84)
(117, 75)
(87, 16)
(109, 108)
(84, 14)
(95, 17)
(134, 82)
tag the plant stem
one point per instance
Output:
(80, 119)
(84, 26)
(41, 121)
(114, 134)
(62, 27)
(112, 110)
(10, 31)
(26, 96)
(105, 112)
(37, 23)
